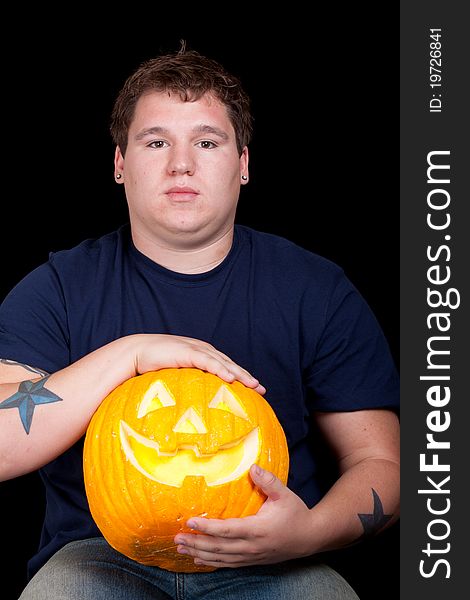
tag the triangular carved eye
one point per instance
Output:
(157, 396)
(225, 399)
(190, 422)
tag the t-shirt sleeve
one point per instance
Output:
(33, 322)
(351, 367)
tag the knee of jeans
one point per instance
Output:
(339, 588)
(65, 572)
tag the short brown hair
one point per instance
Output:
(190, 75)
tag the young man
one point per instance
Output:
(183, 286)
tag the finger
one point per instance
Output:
(215, 365)
(223, 528)
(232, 562)
(240, 373)
(232, 367)
(210, 544)
(231, 364)
(215, 550)
(269, 483)
(243, 375)
(212, 360)
(260, 389)
(247, 379)
(219, 560)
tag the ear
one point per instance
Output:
(118, 165)
(244, 159)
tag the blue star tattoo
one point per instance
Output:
(374, 521)
(29, 394)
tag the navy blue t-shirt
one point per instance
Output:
(288, 316)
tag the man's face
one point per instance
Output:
(181, 170)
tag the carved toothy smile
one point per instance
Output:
(227, 464)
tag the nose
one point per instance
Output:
(181, 161)
(190, 422)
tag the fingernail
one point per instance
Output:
(258, 470)
(183, 551)
(191, 524)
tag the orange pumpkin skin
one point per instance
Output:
(173, 444)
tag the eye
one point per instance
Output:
(207, 144)
(226, 400)
(157, 144)
(157, 396)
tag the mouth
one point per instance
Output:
(230, 462)
(182, 193)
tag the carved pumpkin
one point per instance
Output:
(172, 444)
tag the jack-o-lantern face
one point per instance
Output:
(219, 448)
(172, 444)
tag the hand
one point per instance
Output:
(281, 530)
(160, 351)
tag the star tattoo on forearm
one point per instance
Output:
(373, 522)
(28, 396)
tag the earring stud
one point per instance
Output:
(245, 178)
(118, 176)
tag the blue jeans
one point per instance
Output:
(92, 570)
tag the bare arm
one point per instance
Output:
(366, 497)
(43, 415)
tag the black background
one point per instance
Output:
(323, 171)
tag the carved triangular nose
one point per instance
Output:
(190, 422)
